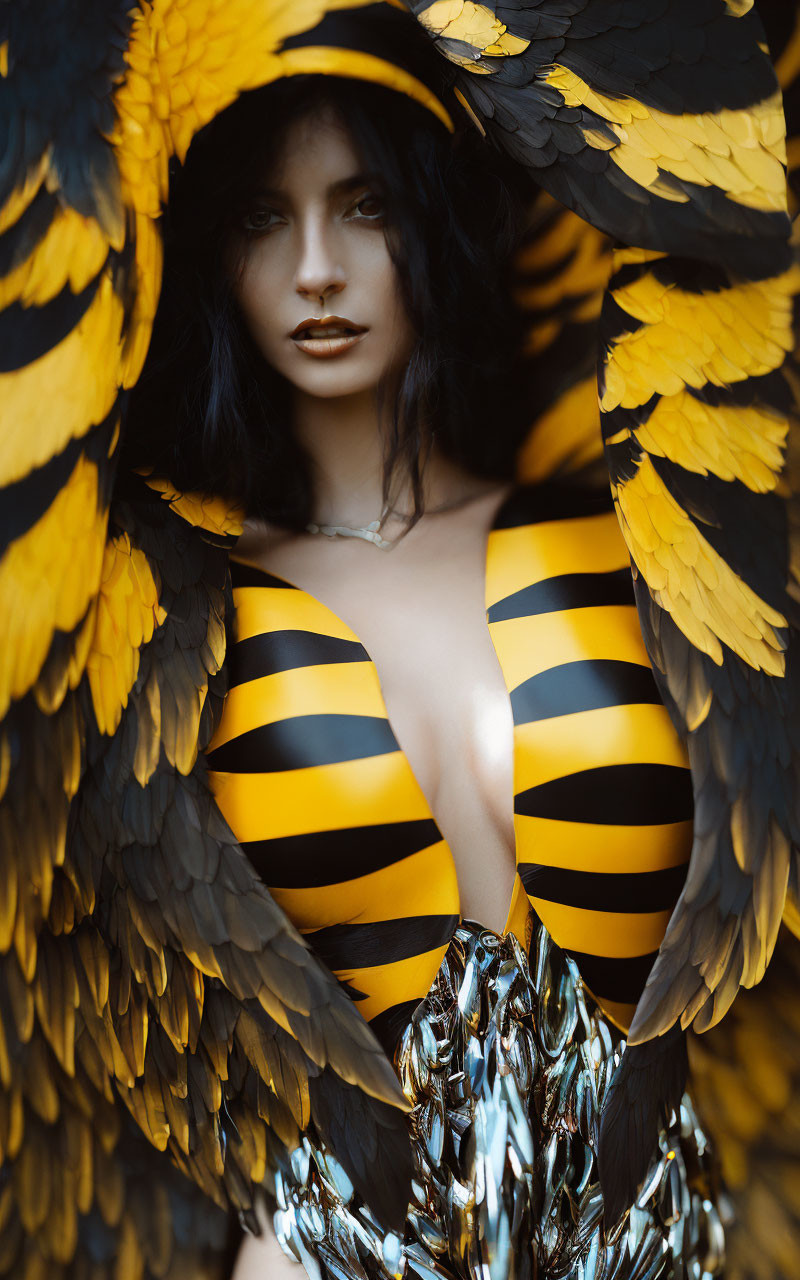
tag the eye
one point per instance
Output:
(259, 220)
(370, 207)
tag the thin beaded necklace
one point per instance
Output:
(371, 532)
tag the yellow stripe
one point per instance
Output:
(689, 578)
(617, 935)
(48, 577)
(689, 339)
(740, 151)
(733, 442)
(327, 61)
(528, 646)
(566, 436)
(72, 252)
(639, 734)
(261, 806)
(516, 558)
(422, 884)
(77, 375)
(588, 846)
(619, 1011)
(389, 984)
(260, 610)
(348, 688)
(520, 918)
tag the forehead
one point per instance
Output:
(316, 151)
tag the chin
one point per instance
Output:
(328, 383)
(333, 388)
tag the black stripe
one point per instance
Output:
(273, 651)
(567, 591)
(630, 795)
(249, 575)
(747, 529)
(27, 333)
(614, 979)
(390, 1025)
(541, 503)
(330, 857)
(582, 686)
(25, 501)
(632, 891)
(362, 946)
(301, 742)
(20, 239)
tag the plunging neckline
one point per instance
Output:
(513, 902)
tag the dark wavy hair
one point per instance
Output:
(213, 416)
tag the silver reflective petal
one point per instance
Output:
(506, 1063)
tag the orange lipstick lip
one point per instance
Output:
(310, 336)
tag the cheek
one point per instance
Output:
(388, 300)
(257, 292)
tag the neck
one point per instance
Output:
(343, 438)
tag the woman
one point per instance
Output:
(330, 346)
(376, 794)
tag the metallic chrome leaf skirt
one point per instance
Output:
(506, 1063)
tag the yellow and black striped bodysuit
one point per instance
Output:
(504, 1044)
(310, 777)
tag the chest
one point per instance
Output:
(400, 749)
(422, 620)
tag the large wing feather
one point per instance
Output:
(210, 1020)
(700, 425)
(659, 124)
(663, 126)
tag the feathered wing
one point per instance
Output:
(745, 1070)
(703, 453)
(659, 124)
(561, 274)
(746, 1081)
(246, 1028)
(140, 959)
(663, 126)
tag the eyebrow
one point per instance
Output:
(333, 189)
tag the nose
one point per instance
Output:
(320, 273)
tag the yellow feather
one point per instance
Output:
(47, 579)
(126, 616)
(148, 263)
(71, 253)
(78, 378)
(734, 443)
(565, 437)
(23, 195)
(690, 580)
(215, 514)
(787, 68)
(694, 338)
(742, 152)
(472, 24)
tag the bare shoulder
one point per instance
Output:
(259, 541)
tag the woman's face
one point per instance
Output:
(317, 287)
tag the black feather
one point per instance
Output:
(647, 1086)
